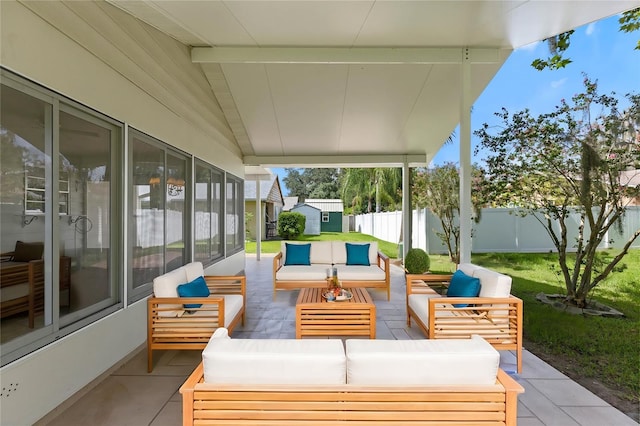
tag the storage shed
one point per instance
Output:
(313, 215)
(331, 213)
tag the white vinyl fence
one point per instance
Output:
(499, 230)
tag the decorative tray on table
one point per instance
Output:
(343, 296)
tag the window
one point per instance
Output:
(57, 191)
(234, 214)
(158, 212)
(208, 228)
(325, 216)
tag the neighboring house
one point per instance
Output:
(289, 203)
(331, 217)
(313, 215)
(271, 202)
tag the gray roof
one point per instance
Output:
(269, 190)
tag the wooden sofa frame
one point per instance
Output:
(19, 273)
(192, 332)
(382, 262)
(211, 404)
(497, 320)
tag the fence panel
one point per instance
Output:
(499, 230)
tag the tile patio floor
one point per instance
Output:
(130, 396)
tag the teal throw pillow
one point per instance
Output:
(297, 254)
(195, 288)
(462, 285)
(358, 254)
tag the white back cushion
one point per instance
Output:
(421, 362)
(166, 285)
(339, 252)
(274, 361)
(493, 284)
(321, 252)
(468, 268)
(193, 270)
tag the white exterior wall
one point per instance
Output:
(97, 55)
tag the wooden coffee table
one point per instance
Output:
(317, 317)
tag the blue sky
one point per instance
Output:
(599, 50)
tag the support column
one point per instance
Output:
(258, 218)
(465, 159)
(406, 209)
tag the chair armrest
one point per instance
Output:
(277, 262)
(383, 259)
(227, 284)
(420, 283)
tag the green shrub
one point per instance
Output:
(291, 225)
(417, 261)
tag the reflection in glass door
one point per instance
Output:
(84, 208)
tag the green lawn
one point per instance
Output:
(603, 349)
(389, 249)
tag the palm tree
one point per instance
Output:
(369, 185)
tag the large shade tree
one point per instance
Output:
(312, 183)
(577, 163)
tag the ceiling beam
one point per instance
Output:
(342, 55)
(331, 161)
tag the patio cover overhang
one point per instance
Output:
(358, 83)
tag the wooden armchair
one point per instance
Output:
(497, 319)
(22, 289)
(192, 328)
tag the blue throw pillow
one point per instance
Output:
(358, 254)
(195, 288)
(297, 254)
(462, 285)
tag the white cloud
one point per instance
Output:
(558, 83)
(590, 28)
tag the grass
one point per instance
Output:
(389, 249)
(589, 348)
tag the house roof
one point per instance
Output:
(270, 191)
(329, 205)
(289, 203)
(331, 83)
(301, 206)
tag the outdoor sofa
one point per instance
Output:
(494, 313)
(306, 264)
(189, 321)
(323, 381)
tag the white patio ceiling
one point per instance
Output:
(366, 82)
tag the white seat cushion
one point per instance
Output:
(420, 305)
(360, 273)
(312, 272)
(232, 306)
(274, 361)
(421, 362)
(166, 285)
